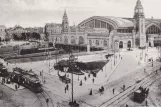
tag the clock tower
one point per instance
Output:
(140, 24)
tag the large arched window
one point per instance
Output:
(129, 44)
(73, 40)
(97, 42)
(153, 30)
(65, 40)
(121, 44)
(105, 43)
(81, 40)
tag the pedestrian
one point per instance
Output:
(124, 87)
(40, 73)
(146, 103)
(126, 105)
(47, 100)
(93, 80)
(16, 86)
(65, 89)
(113, 90)
(85, 78)
(102, 88)
(67, 86)
(90, 92)
(80, 83)
(89, 75)
(44, 80)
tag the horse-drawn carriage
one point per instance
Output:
(64, 78)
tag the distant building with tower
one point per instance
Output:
(2, 32)
(108, 32)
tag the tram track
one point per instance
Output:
(149, 74)
(42, 97)
(122, 96)
(145, 85)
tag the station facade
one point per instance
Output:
(108, 32)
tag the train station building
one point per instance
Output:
(109, 32)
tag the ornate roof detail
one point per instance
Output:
(138, 5)
(116, 22)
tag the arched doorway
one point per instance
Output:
(65, 40)
(97, 42)
(81, 40)
(129, 44)
(73, 40)
(149, 44)
(120, 44)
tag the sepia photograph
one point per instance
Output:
(80, 53)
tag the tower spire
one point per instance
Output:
(140, 24)
(65, 22)
(138, 9)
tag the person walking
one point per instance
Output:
(90, 92)
(80, 83)
(65, 89)
(113, 90)
(93, 80)
(123, 87)
(67, 86)
(40, 73)
(146, 103)
(85, 78)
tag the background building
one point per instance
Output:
(2, 32)
(108, 32)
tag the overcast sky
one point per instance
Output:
(38, 12)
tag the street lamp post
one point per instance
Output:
(71, 65)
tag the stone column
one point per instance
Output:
(133, 38)
(88, 48)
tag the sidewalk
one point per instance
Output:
(12, 85)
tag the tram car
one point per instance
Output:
(27, 79)
(141, 94)
(3, 71)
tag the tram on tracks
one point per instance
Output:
(3, 71)
(141, 94)
(27, 79)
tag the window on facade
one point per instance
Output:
(97, 42)
(105, 43)
(103, 24)
(90, 24)
(65, 40)
(153, 30)
(97, 24)
(81, 40)
(90, 42)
